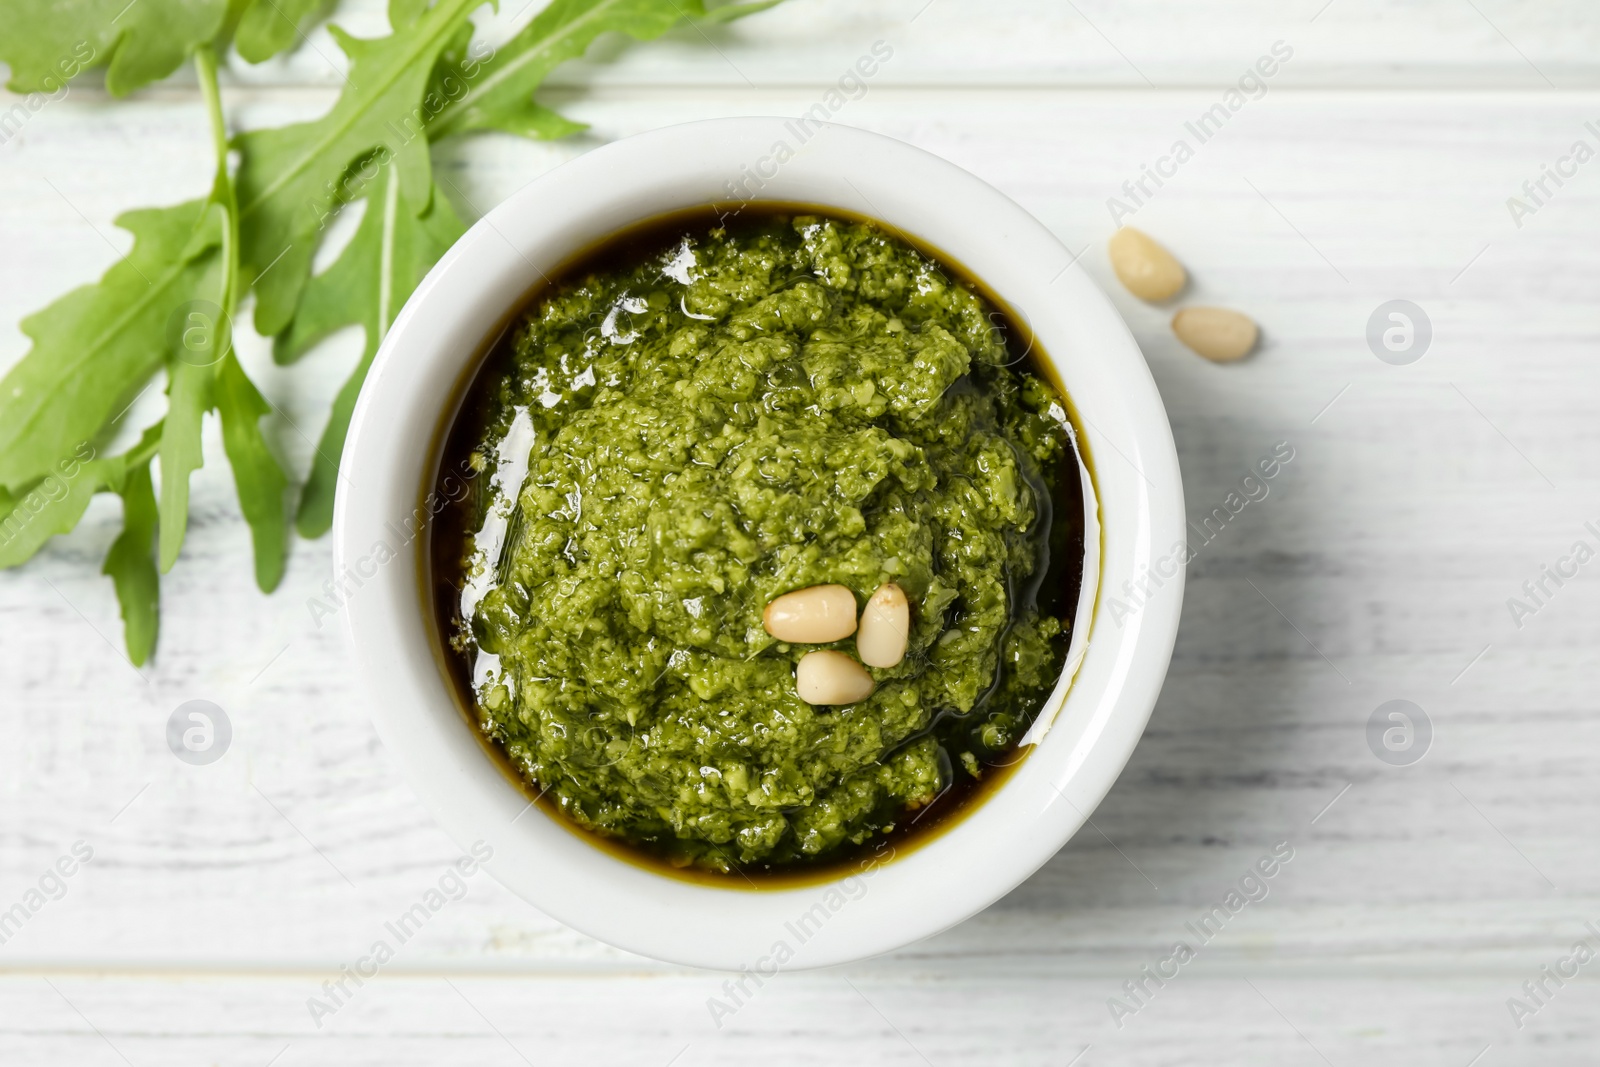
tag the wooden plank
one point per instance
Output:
(1037, 43)
(856, 1017)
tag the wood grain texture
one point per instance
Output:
(1419, 499)
(1085, 43)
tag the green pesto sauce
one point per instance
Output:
(739, 412)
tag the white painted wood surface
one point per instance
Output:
(1376, 166)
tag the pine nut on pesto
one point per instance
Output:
(885, 627)
(714, 411)
(814, 615)
(828, 676)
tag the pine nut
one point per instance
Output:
(1218, 334)
(1149, 271)
(831, 677)
(885, 627)
(812, 616)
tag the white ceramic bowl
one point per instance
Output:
(388, 457)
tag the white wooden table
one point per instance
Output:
(1376, 166)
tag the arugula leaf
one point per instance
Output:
(290, 178)
(47, 42)
(267, 27)
(256, 474)
(201, 332)
(51, 506)
(500, 94)
(55, 503)
(188, 399)
(391, 250)
(131, 566)
(96, 346)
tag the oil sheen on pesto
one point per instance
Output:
(681, 436)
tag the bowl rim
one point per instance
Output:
(441, 330)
